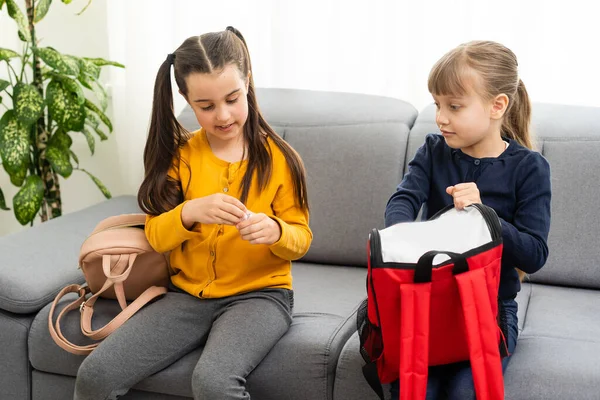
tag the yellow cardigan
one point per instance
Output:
(212, 260)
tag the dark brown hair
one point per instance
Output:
(494, 69)
(206, 54)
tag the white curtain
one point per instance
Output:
(382, 47)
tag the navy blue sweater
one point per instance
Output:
(516, 185)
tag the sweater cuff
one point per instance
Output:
(180, 231)
(281, 244)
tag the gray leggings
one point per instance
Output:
(237, 333)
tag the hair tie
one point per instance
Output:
(171, 58)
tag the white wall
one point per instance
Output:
(84, 35)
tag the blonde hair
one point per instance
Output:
(492, 69)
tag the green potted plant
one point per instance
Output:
(45, 100)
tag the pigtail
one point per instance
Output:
(159, 192)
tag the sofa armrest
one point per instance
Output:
(37, 262)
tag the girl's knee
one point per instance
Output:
(215, 384)
(94, 381)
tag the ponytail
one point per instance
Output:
(516, 124)
(159, 192)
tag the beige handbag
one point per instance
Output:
(118, 263)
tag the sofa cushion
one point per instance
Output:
(349, 380)
(15, 368)
(353, 148)
(29, 280)
(300, 366)
(575, 226)
(46, 386)
(563, 313)
(556, 355)
(329, 289)
(549, 368)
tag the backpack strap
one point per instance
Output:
(86, 307)
(481, 324)
(55, 331)
(122, 268)
(415, 299)
(415, 303)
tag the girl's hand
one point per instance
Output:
(259, 229)
(464, 194)
(217, 208)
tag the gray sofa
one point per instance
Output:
(355, 148)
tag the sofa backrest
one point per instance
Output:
(569, 138)
(353, 147)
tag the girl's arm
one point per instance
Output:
(296, 235)
(525, 238)
(166, 231)
(413, 191)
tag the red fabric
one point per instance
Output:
(450, 319)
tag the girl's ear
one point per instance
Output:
(248, 80)
(499, 106)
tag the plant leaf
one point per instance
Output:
(60, 160)
(89, 68)
(100, 114)
(101, 95)
(28, 199)
(64, 107)
(61, 139)
(101, 134)
(14, 147)
(70, 84)
(88, 72)
(7, 54)
(41, 9)
(74, 157)
(85, 81)
(102, 62)
(91, 141)
(100, 185)
(2, 200)
(29, 103)
(67, 1)
(85, 8)
(58, 61)
(92, 120)
(4, 84)
(1, 4)
(15, 13)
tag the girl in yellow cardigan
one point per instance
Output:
(229, 203)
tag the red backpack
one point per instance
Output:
(422, 310)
